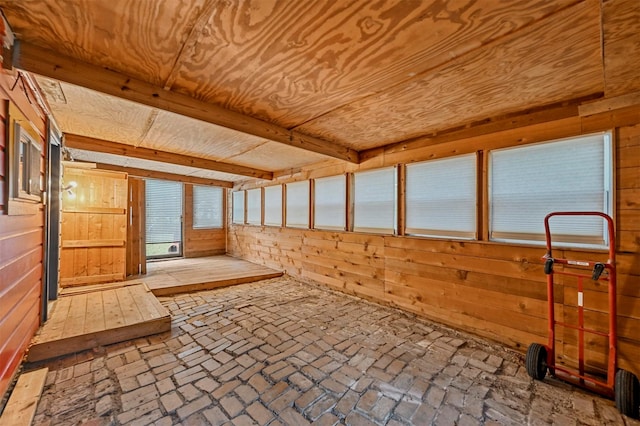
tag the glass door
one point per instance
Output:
(164, 219)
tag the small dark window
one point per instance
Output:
(27, 179)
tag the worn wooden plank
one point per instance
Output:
(76, 317)
(21, 406)
(95, 320)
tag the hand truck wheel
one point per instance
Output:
(536, 361)
(627, 393)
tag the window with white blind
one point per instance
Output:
(254, 206)
(163, 204)
(273, 205)
(297, 204)
(440, 198)
(207, 207)
(526, 183)
(375, 200)
(330, 202)
(238, 207)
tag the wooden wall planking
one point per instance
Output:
(94, 227)
(201, 242)
(21, 246)
(495, 290)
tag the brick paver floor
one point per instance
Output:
(284, 352)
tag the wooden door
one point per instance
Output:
(136, 253)
(94, 226)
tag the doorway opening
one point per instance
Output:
(163, 219)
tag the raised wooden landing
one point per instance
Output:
(92, 317)
(202, 273)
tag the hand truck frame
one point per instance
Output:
(620, 384)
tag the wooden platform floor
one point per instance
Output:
(202, 273)
(86, 317)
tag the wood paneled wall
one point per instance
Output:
(496, 290)
(201, 242)
(21, 242)
(94, 227)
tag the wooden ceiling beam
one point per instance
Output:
(50, 64)
(152, 174)
(513, 121)
(99, 145)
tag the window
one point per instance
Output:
(441, 198)
(238, 207)
(374, 201)
(27, 156)
(273, 205)
(207, 207)
(163, 203)
(298, 204)
(330, 203)
(527, 183)
(254, 206)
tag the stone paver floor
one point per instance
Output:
(284, 352)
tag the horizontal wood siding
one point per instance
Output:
(200, 242)
(21, 240)
(493, 289)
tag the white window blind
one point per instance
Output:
(254, 206)
(163, 216)
(375, 201)
(330, 202)
(238, 207)
(527, 183)
(298, 204)
(441, 198)
(207, 207)
(273, 205)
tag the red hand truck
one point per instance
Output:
(620, 384)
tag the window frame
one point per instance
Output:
(221, 191)
(234, 201)
(265, 195)
(354, 198)
(258, 209)
(472, 234)
(305, 225)
(538, 239)
(342, 213)
(23, 199)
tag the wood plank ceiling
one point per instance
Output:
(299, 82)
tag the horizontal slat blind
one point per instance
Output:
(330, 202)
(527, 183)
(207, 207)
(441, 197)
(375, 200)
(164, 211)
(298, 204)
(254, 206)
(273, 205)
(238, 207)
